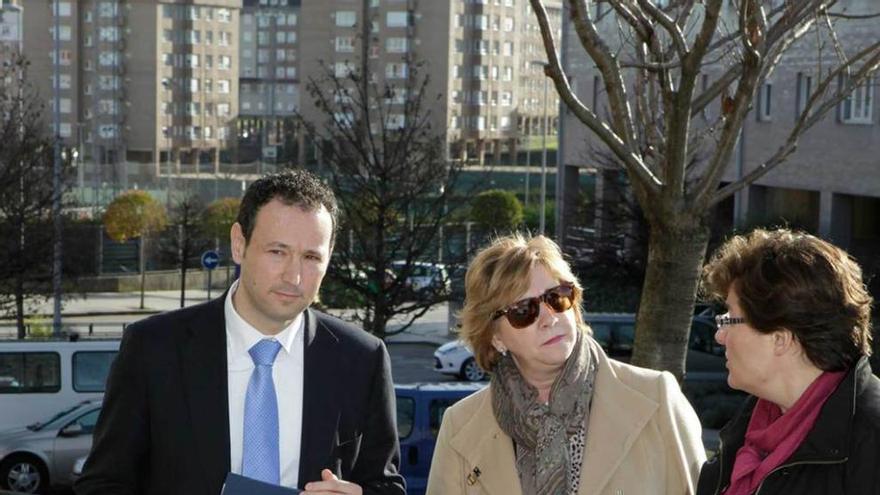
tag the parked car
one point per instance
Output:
(43, 454)
(423, 277)
(455, 358)
(420, 409)
(40, 376)
(78, 469)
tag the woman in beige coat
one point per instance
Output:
(559, 417)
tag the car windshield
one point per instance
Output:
(55, 420)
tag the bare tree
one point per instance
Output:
(388, 166)
(185, 238)
(650, 59)
(26, 160)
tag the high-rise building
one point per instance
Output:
(268, 79)
(10, 25)
(145, 86)
(483, 58)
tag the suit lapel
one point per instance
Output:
(323, 376)
(205, 383)
(488, 451)
(617, 416)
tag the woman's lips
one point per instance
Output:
(554, 340)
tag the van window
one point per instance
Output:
(406, 411)
(90, 370)
(625, 337)
(602, 334)
(436, 410)
(30, 372)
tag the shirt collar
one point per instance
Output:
(241, 335)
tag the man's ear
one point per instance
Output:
(238, 242)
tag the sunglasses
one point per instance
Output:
(523, 313)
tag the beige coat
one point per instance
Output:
(643, 439)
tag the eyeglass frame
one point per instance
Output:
(541, 300)
(727, 320)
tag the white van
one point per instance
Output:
(39, 378)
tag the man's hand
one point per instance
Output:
(330, 485)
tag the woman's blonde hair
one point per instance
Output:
(497, 277)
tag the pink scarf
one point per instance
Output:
(772, 437)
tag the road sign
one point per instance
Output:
(210, 260)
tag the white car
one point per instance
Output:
(424, 277)
(455, 358)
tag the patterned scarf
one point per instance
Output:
(542, 431)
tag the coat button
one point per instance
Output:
(834, 451)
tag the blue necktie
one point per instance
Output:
(260, 452)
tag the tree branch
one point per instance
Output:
(617, 145)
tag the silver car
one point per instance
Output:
(43, 454)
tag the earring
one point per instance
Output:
(502, 351)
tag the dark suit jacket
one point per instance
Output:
(164, 427)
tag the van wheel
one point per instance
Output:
(471, 371)
(24, 473)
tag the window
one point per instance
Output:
(191, 60)
(481, 71)
(291, 19)
(396, 45)
(65, 33)
(223, 109)
(345, 44)
(765, 99)
(90, 370)
(108, 34)
(395, 71)
(507, 74)
(291, 72)
(804, 90)
(194, 85)
(343, 69)
(193, 37)
(224, 62)
(507, 51)
(108, 8)
(280, 36)
(506, 98)
(209, 37)
(89, 420)
(397, 19)
(223, 86)
(406, 413)
(208, 132)
(481, 22)
(224, 38)
(30, 372)
(209, 60)
(436, 409)
(108, 82)
(505, 123)
(224, 15)
(193, 108)
(857, 107)
(108, 59)
(291, 36)
(345, 18)
(107, 107)
(508, 23)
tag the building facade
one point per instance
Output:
(144, 87)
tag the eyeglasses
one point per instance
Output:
(523, 313)
(726, 319)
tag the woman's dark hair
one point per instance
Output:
(797, 282)
(291, 187)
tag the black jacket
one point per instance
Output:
(839, 456)
(164, 425)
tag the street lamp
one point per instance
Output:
(542, 224)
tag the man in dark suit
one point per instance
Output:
(254, 382)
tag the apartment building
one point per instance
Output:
(146, 87)
(483, 57)
(829, 186)
(10, 25)
(269, 89)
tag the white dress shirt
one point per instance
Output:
(287, 373)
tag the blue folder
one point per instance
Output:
(240, 485)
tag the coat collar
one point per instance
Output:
(829, 439)
(618, 414)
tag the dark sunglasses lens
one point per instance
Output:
(560, 298)
(523, 314)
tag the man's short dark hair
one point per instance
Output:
(292, 187)
(795, 281)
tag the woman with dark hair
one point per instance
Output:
(797, 335)
(559, 417)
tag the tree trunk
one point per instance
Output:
(675, 260)
(19, 304)
(182, 283)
